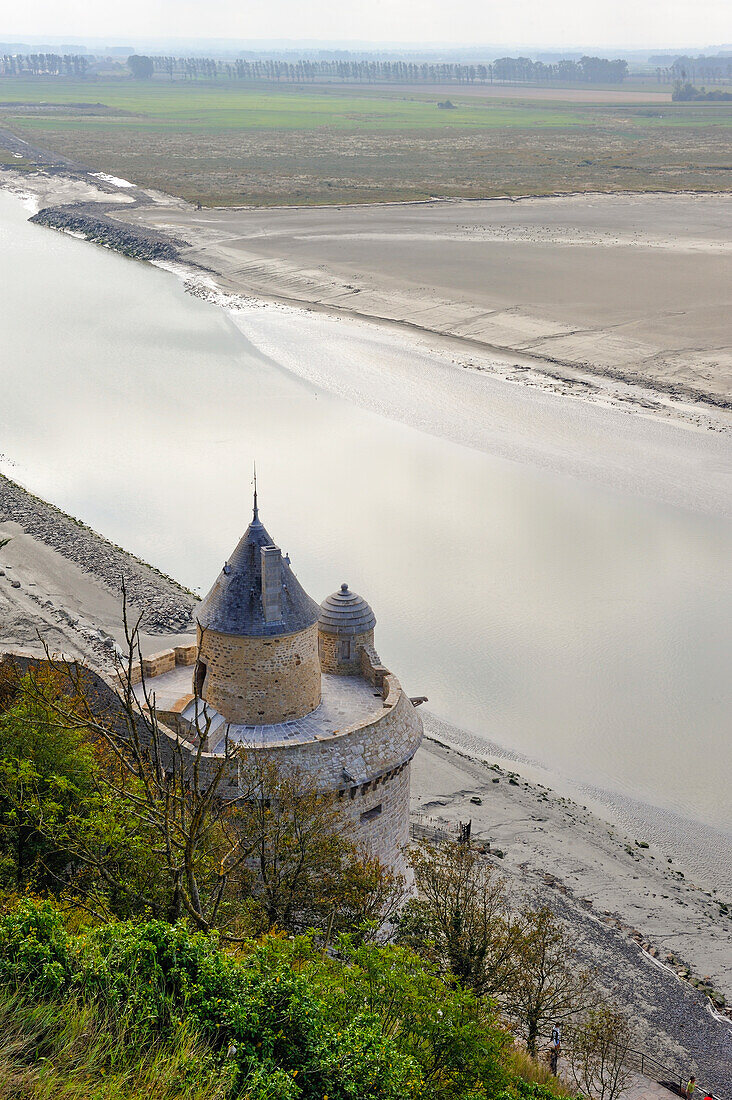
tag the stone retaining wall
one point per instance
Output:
(367, 764)
(132, 240)
(165, 604)
(379, 815)
(156, 664)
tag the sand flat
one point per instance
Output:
(635, 285)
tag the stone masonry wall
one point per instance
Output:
(368, 764)
(332, 658)
(261, 681)
(383, 741)
(376, 755)
(155, 665)
(379, 816)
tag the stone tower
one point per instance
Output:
(258, 637)
(346, 624)
(299, 685)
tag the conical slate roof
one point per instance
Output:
(345, 613)
(234, 604)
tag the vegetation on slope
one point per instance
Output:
(158, 940)
(110, 1010)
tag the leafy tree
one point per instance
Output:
(140, 66)
(307, 872)
(598, 1052)
(546, 984)
(460, 919)
(450, 1034)
(45, 772)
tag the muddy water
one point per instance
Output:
(555, 576)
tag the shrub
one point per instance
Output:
(281, 1020)
(34, 949)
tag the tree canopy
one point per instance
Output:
(141, 67)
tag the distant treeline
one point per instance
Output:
(44, 64)
(592, 70)
(520, 69)
(687, 92)
(684, 68)
(702, 68)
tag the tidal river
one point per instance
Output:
(554, 575)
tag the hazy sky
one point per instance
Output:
(565, 23)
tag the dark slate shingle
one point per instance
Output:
(234, 604)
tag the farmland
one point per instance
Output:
(237, 144)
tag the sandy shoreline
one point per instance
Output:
(624, 289)
(613, 298)
(618, 896)
(59, 578)
(634, 919)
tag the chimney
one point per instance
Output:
(271, 583)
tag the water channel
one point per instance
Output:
(554, 576)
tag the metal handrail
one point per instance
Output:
(645, 1062)
(648, 1061)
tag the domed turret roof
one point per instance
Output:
(234, 604)
(345, 613)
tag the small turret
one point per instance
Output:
(345, 625)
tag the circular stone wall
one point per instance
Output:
(342, 655)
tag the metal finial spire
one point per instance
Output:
(256, 508)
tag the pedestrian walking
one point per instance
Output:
(555, 1046)
(691, 1087)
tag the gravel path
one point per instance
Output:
(671, 1020)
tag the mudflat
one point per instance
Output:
(632, 286)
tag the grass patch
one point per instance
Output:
(238, 144)
(233, 107)
(72, 1051)
(11, 161)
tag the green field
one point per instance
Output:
(234, 143)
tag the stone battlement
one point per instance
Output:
(157, 663)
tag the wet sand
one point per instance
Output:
(582, 292)
(631, 287)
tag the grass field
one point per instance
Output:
(232, 143)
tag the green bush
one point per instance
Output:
(34, 951)
(279, 1021)
(150, 979)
